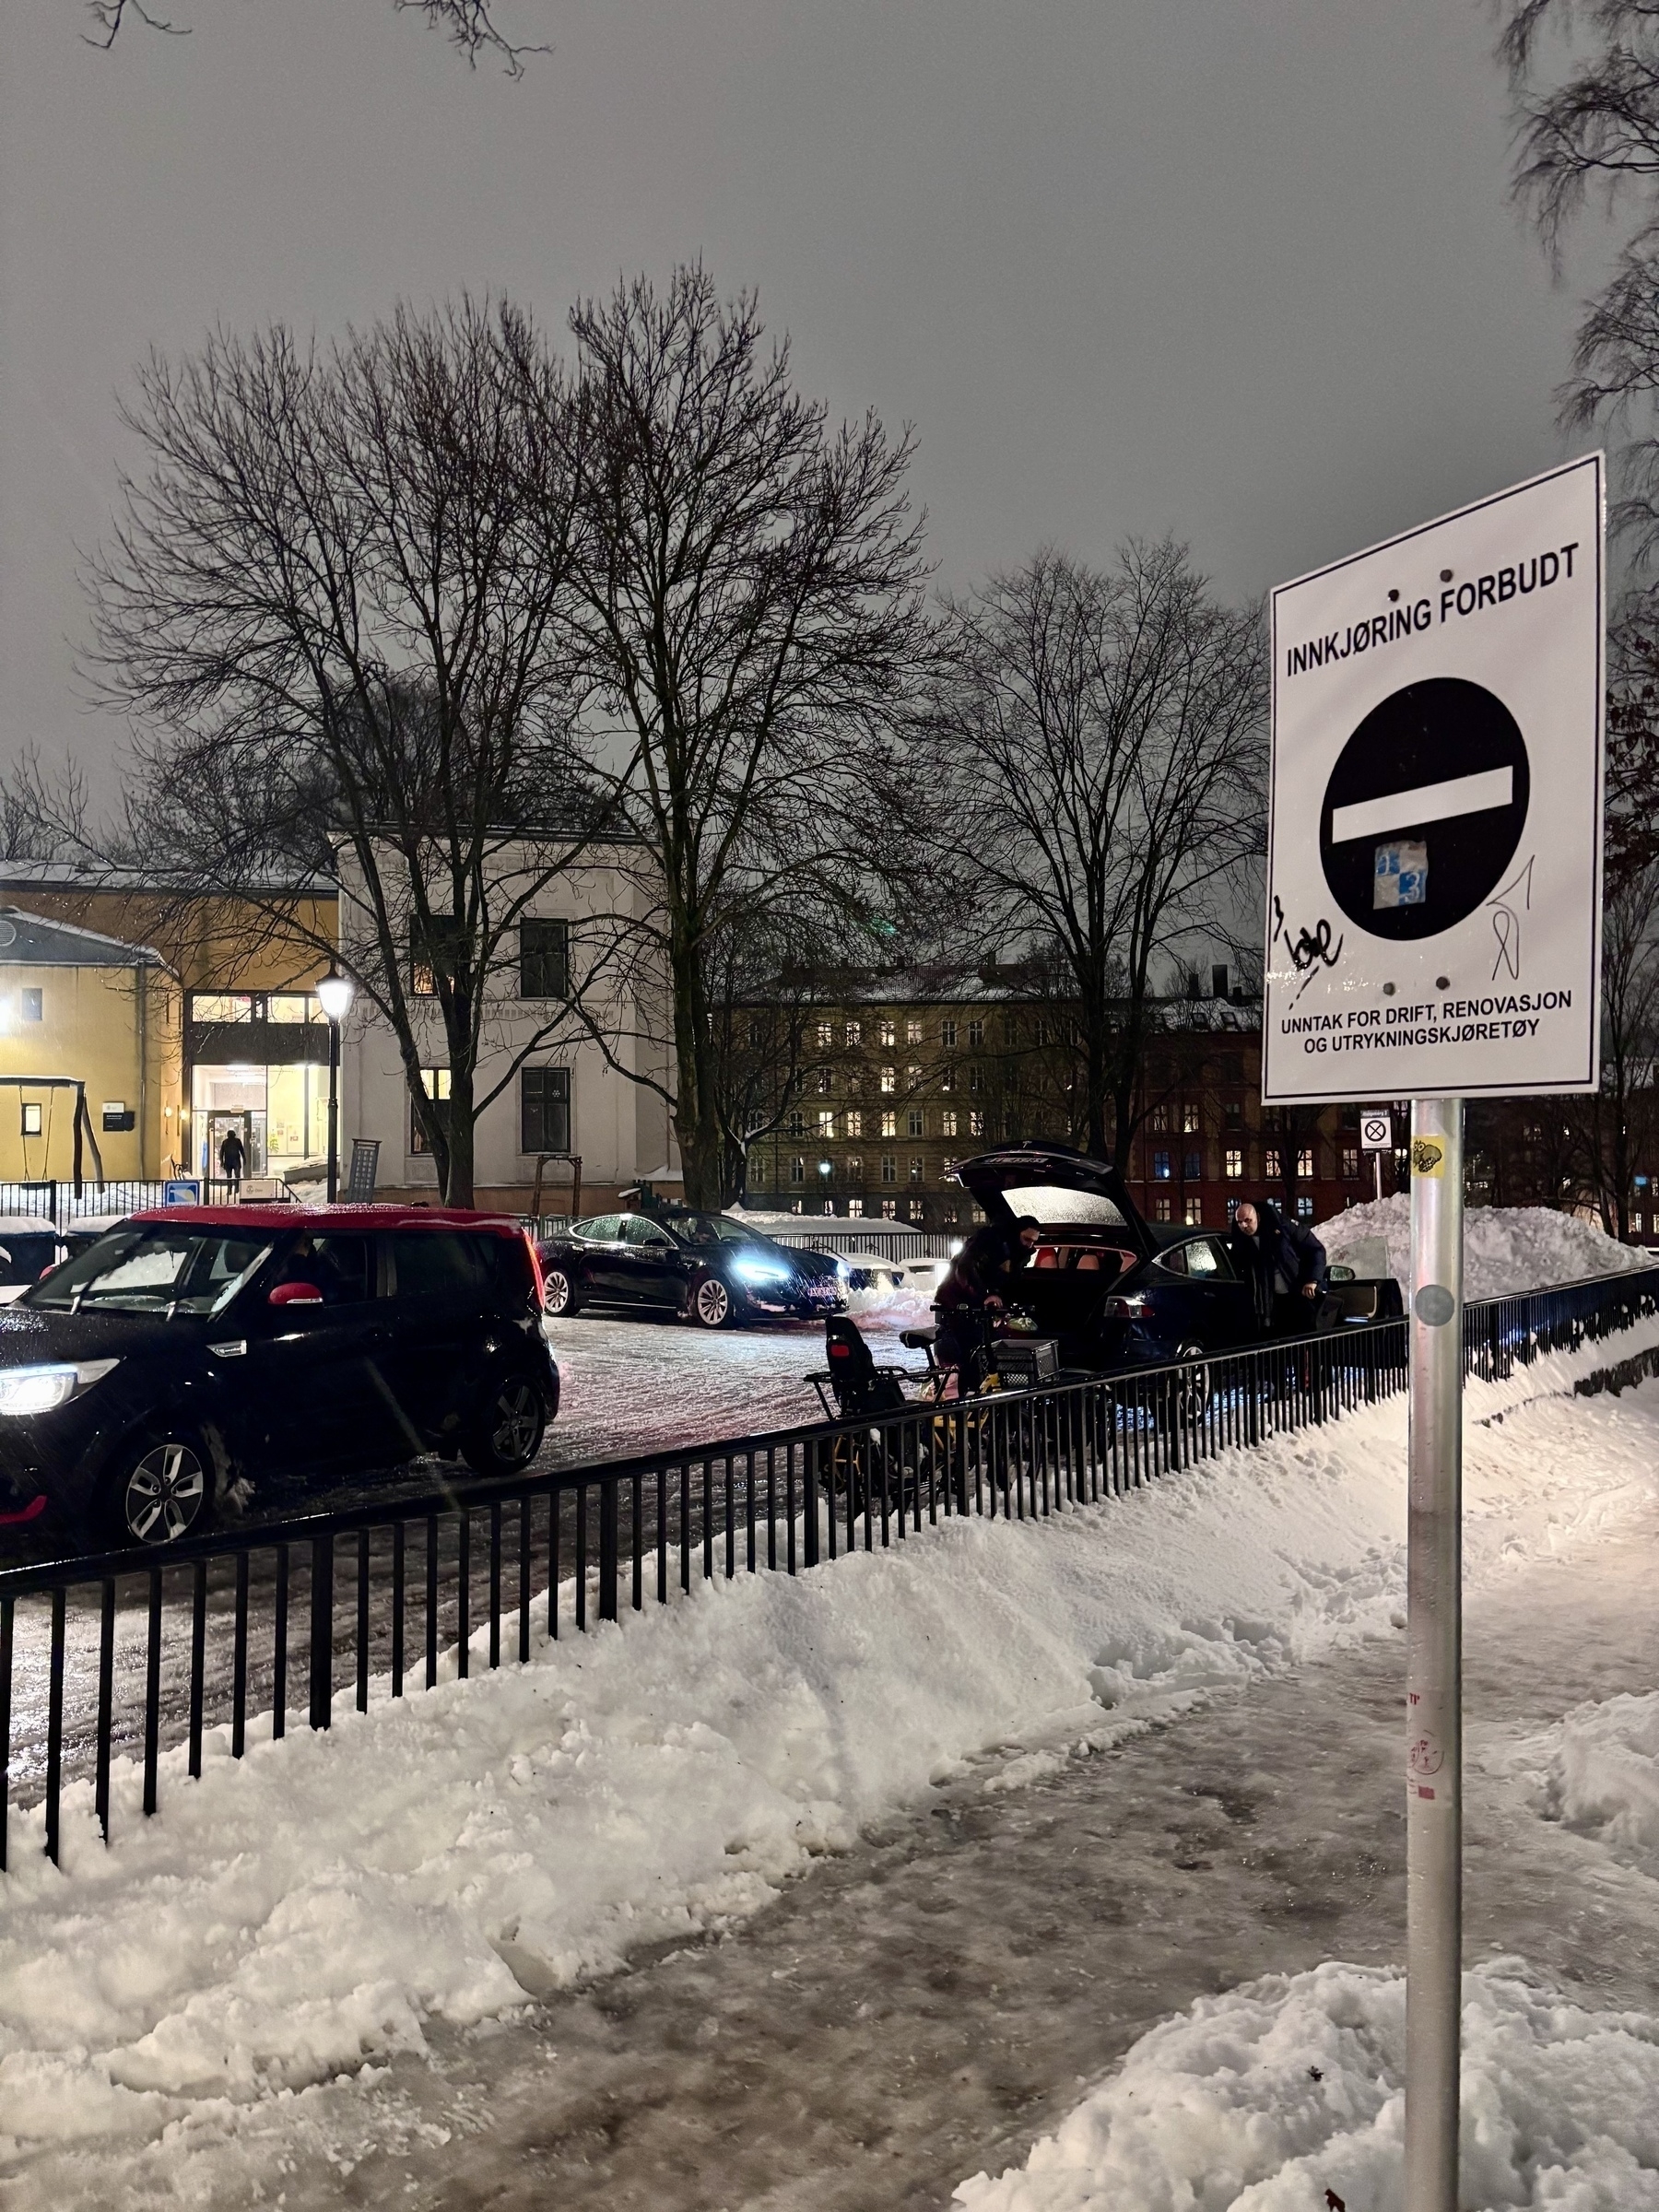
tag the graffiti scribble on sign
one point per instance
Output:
(1310, 949)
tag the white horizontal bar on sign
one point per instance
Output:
(1428, 803)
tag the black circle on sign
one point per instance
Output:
(1427, 735)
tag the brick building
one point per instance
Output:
(909, 1072)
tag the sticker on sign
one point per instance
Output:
(1434, 853)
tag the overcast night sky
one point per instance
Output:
(1244, 269)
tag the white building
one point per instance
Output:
(560, 1098)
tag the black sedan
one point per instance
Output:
(704, 1267)
(1118, 1291)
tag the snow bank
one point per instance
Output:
(1263, 2099)
(1598, 1769)
(297, 1913)
(1506, 1248)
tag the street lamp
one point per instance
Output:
(334, 995)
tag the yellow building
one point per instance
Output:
(91, 1054)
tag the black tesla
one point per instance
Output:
(704, 1267)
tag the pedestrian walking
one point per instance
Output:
(1284, 1263)
(233, 1153)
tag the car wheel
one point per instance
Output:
(712, 1303)
(162, 1492)
(559, 1292)
(507, 1434)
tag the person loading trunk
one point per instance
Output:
(1285, 1266)
(975, 1289)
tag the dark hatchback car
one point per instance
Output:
(705, 1267)
(188, 1353)
(1115, 1290)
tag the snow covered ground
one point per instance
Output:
(1267, 2098)
(525, 1830)
(1506, 1248)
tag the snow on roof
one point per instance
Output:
(30, 940)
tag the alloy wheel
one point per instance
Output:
(518, 1423)
(713, 1304)
(165, 1494)
(556, 1290)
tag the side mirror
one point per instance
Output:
(295, 1294)
(1339, 1275)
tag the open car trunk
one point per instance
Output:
(1092, 1233)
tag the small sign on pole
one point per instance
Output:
(1434, 917)
(1376, 1136)
(183, 1190)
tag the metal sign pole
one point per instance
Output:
(1434, 1661)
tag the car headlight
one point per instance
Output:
(26, 1389)
(762, 1271)
(843, 1272)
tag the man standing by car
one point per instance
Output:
(1285, 1265)
(975, 1289)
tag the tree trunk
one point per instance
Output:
(455, 1181)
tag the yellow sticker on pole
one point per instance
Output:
(1427, 1156)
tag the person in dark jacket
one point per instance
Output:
(976, 1287)
(1285, 1265)
(232, 1153)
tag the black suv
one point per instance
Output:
(192, 1350)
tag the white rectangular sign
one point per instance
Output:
(1376, 1130)
(1434, 849)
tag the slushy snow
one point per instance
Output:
(1267, 2098)
(301, 1912)
(1507, 1249)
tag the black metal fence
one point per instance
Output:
(132, 1653)
(63, 1203)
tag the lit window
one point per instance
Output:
(916, 1209)
(855, 1122)
(854, 1168)
(798, 1170)
(794, 1205)
(854, 1032)
(221, 1005)
(293, 1006)
(913, 1030)
(914, 1120)
(889, 1167)
(1189, 1121)
(826, 1034)
(948, 1079)
(890, 1124)
(947, 1032)
(1235, 1167)
(889, 1081)
(1160, 1119)
(435, 1081)
(1304, 1208)
(1160, 1167)
(912, 1077)
(976, 1032)
(915, 1171)
(1304, 1163)
(1195, 1213)
(1270, 1163)
(947, 1121)
(824, 1082)
(826, 1124)
(1163, 1209)
(32, 1117)
(889, 1209)
(886, 1030)
(856, 1208)
(976, 1123)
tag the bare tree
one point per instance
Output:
(467, 24)
(751, 617)
(1097, 754)
(44, 813)
(333, 601)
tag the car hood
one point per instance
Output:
(1064, 1189)
(29, 1335)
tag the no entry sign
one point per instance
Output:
(1435, 860)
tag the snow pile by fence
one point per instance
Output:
(1506, 1248)
(1267, 2098)
(1598, 1770)
(301, 1912)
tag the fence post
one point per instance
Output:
(322, 1631)
(607, 1551)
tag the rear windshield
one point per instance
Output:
(1047, 1202)
(158, 1270)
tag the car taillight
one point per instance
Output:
(536, 1269)
(1130, 1308)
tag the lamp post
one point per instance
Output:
(334, 995)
